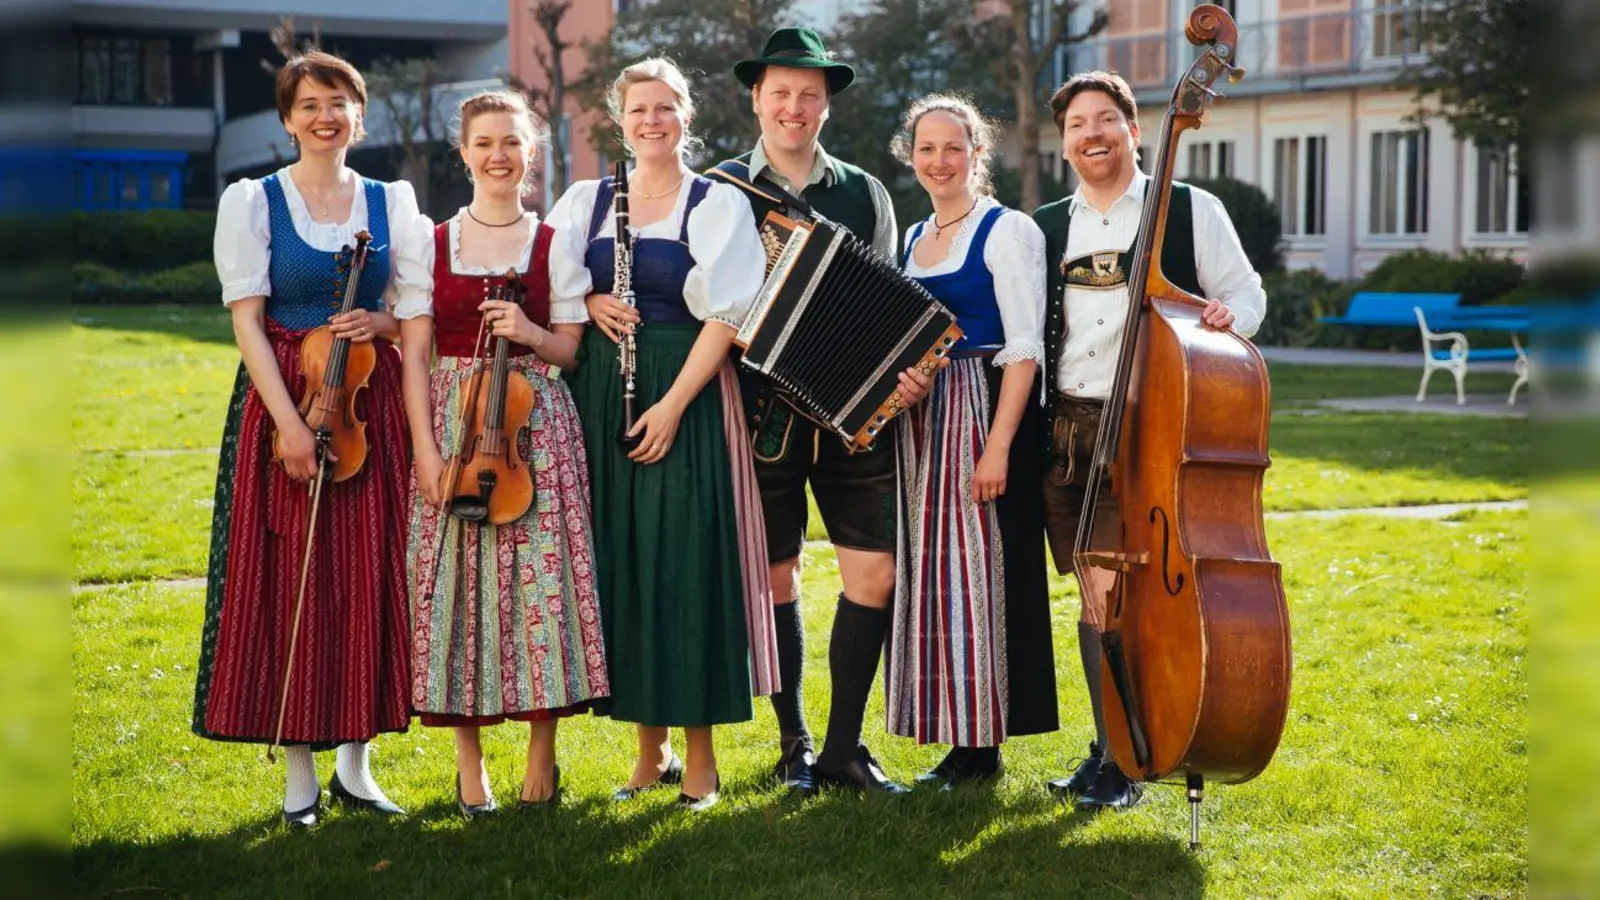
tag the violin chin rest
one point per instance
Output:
(470, 509)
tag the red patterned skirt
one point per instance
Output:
(350, 678)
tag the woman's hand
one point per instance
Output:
(657, 429)
(357, 325)
(430, 477)
(915, 386)
(507, 320)
(297, 446)
(989, 478)
(612, 315)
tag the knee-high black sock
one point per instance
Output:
(853, 655)
(1089, 651)
(787, 702)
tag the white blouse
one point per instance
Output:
(1014, 255)
(569, 280)
(729, 263)
(243, 242)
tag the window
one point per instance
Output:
(1137, 41)
(1394, 27)
(124, 70)
(1211, 159)
(1399, 189)
(161, 189)
(94, 71)
(157, 73)
(1300, 184)
(1502, 198)
(1314, 35)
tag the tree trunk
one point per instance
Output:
(556, 166)
(416, 170)
(1027, 105)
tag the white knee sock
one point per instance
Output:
(300, 789)
(351, 762)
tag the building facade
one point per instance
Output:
(1318, 125)
(170, 100)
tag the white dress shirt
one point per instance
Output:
(243, 241)
(569, 280)
(729, 261)
(1095, 318)
(1014, 255)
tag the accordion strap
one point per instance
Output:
(738, 175)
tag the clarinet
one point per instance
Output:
(622, 289)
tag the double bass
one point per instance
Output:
(1195, 630)
(487, 480)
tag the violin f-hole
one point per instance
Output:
(1173, 586)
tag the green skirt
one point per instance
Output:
(667, 550)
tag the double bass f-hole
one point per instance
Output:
(1173, 585)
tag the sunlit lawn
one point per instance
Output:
(1403, 769)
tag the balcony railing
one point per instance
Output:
(1374, 41)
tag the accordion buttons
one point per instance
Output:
(1091, 352)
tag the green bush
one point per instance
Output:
(192, 283)
(143, 241)
(1254, 216)
(1480, 277)
(1295, 299)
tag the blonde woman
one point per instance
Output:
(679, 547)
(970, 660)
(505, 618)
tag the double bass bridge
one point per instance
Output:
(1115, 562)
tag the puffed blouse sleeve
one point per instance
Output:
(1015, 255)
(570, 281)
(409, 293)
(242, 244)
(729, 262)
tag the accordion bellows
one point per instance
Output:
(834, 326)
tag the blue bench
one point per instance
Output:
(1393, 310)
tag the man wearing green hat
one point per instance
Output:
(791, 84)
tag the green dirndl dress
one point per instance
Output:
(680, 557)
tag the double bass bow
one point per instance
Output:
(487, 480)
(1195, 633)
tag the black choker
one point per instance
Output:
(491, 224)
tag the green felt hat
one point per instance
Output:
(797, 48)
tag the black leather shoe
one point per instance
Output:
(672, 774)
(472, 811)
(1111, 790)
(344, 797)
(940, 773)
(861, 773)
(796, 769)
(555, 793)
(305, 818)
(700, 804)
(1082, 777)
(971, 766)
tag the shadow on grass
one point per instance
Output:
(928, 844)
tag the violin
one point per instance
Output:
(487, 480)
(336, 371)
(1196, 626)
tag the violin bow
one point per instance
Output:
(315, 490)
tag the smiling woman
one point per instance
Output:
(297, 615)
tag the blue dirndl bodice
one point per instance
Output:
(660, 266)
(968, 291)
(308, 284)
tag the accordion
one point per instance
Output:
(834, 326)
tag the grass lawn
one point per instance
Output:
(1403, 769)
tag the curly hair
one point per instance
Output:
(980, 133)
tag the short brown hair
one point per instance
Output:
(323, 68)
(1109, 83)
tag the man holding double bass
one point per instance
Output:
(791, 85)
(1089, 240)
